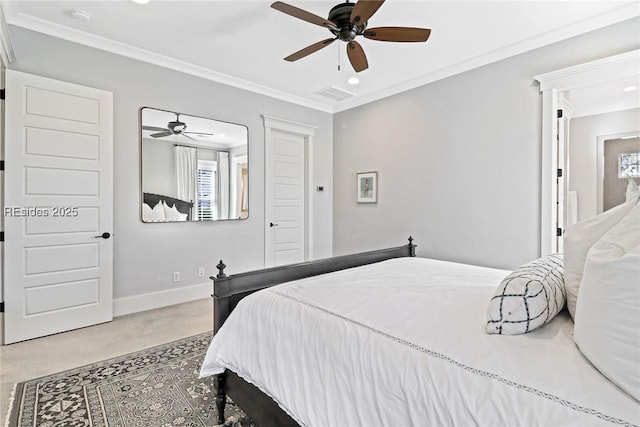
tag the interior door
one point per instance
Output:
(58, 203)
(284, 197)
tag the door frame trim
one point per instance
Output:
(551, 85)
(307, 132)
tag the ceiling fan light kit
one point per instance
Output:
(346, 21)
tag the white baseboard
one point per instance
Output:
(134, 304)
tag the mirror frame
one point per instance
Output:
(141, 177)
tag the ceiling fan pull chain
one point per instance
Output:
(339, 57)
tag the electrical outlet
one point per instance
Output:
(200, 271)
(176, 276)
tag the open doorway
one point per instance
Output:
(563, 171)
(595, 142)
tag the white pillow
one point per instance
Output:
(146, 211)
(173, 214)
(527, 298)
(156, 214)
(579, 238)
(607, 322)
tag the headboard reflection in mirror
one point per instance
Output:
(193, 168)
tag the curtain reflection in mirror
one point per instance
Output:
(186, 161)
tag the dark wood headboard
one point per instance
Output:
(182, 206)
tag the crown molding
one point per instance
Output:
(624, 64)
(288, 125)
(611, 17)
(122, 49)
(7, 55)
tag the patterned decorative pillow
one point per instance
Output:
(528, 298)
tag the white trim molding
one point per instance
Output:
(612, 67)
(7, 55)
(150, 301)
(288, 125)
(308, 132)
(123, 49)
(613, 16)
(551, 86)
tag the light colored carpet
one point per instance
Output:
(125, 334)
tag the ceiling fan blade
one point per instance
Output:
(161, 134)
(154, 128)
(398, 34)
(356, 56)
(187, 136)
(309, 50)
(363, 10)
(198, 133)
(302, 14)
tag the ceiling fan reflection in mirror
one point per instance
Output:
(174, 127)
(346, 21)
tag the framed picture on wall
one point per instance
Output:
(367, 187)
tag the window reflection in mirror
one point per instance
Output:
(193, 168)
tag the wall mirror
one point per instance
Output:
(193, 168)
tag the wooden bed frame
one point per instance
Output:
(229, 290)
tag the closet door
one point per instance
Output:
(58, 216)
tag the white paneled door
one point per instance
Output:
(285, 199)
(287, 212)
(58, 215)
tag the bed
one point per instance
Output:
(385, 338)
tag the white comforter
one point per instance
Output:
(402, 343)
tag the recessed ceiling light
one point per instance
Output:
(80, 15)
(140, 1)
(630, 88)
(353, 81)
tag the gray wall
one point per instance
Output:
(145, 255)
(458, 159)
(158, 167)
(583, 153)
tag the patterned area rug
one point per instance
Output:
(157, 387)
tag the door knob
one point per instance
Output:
(272, 224)
(104, 235)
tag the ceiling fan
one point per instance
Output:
(347, 21)
(174, 127)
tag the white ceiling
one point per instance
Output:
(604, 97)
(242, 42)
(203, 132)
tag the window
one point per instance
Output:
(207, 184)
(628, 165)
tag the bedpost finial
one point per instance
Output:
(412, 247)
(221, 266)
